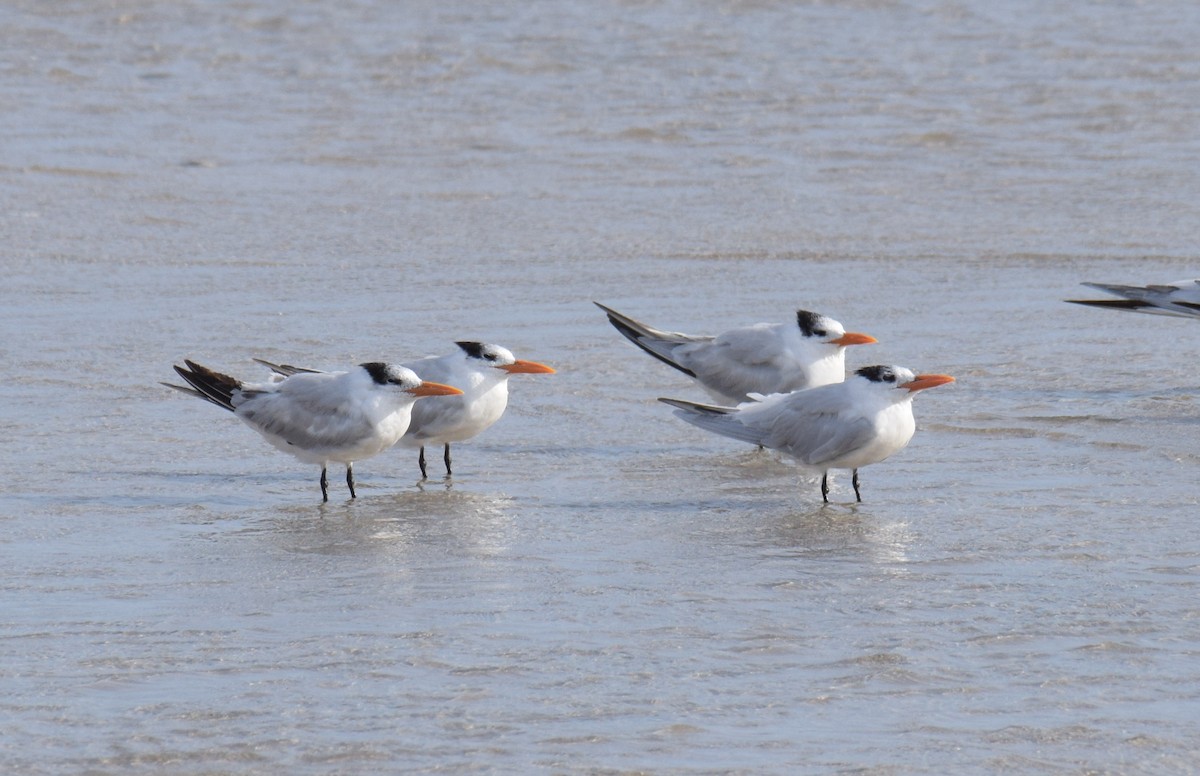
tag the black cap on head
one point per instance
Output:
(810, 323)
(378, 371)
(877, 374)
(472, 349)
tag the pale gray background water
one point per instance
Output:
(601, 588)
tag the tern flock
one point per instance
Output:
(779, 386)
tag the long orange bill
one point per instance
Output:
(527, 367)
(921, 382)
(434, 389)
(853, 338)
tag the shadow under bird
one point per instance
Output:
(481, 369)
(323, 417)
(764, 358)
(1180, 298)
(838, 426)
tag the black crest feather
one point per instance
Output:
(877, 374)
(472, 349)
(809, 323)
(378, 371)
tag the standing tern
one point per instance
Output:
(1180, 298)
(482, 370)
(839, 426)
(321, 417)
(764, 358)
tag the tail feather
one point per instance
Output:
(183, 389)
(719, 420)
(287, 370)
(208, 385)
(654, 341)
(705, 409)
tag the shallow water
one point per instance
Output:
(600, 587)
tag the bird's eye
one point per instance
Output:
(490, 356)
(820, 332)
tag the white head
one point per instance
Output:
(484, 356)
(901, 383)
(818, 328)
(394, 377)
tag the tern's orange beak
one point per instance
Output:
(853, 338)
(434, 389)
(921, 382)
(527, 367)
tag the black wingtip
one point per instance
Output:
(210, 385)
(635, 336)
(1111, 304)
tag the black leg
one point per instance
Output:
(446, 458)
(350, 480)
(421, 463)
(854, 479)
(324, 485)
(825, 487)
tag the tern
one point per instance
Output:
(764, 358)
(482, 370)
(1180, 298)
(838, 426)
(321, 417)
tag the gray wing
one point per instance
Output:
(308, 411)
(814, 426)
(823, 438)
(433, 417)
(737, 363)
(437, 415)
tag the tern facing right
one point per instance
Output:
(321, 417)
(483, 371)
(763, 358)
(839, 426)
(1180, 298)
